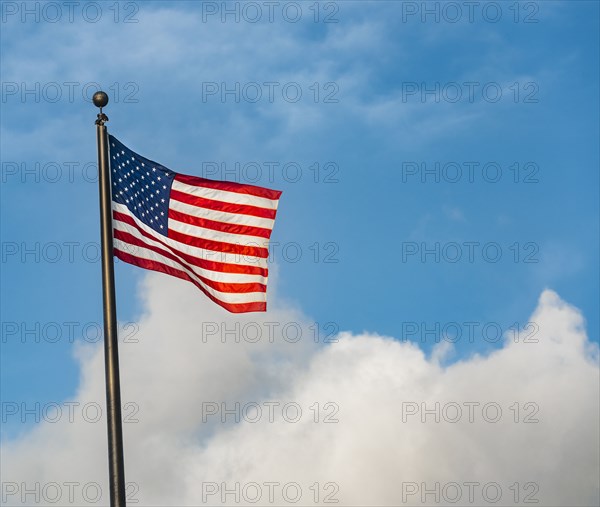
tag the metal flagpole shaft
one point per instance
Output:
(116, 467)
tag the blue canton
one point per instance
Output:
(141, 185)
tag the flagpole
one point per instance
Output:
(116, 467)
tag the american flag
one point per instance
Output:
(214, 234)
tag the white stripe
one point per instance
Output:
(226, 297)
(225, 195)
(216, 276)
(210, 234)
(221, 216)
(200, 253)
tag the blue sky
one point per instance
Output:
(368, 121)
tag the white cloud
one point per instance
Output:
(373, 453)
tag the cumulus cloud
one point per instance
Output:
(237, 410)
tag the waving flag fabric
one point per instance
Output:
(214, 234)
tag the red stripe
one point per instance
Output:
(163, 268)
(237, 209)
(229, 186)
(245, 230)
(243, 287)
(223, 267)
(219, 246)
